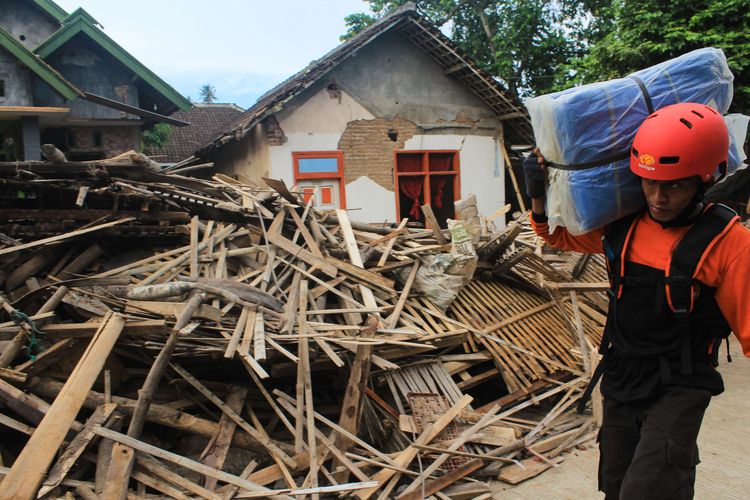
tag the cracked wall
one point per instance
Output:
(368, 147)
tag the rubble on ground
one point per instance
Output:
(170, 336)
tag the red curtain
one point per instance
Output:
(409, 186)
(439, 163)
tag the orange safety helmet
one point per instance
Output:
(678, 141)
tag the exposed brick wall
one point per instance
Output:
(274, 134)
(115, 140)
(368, 148)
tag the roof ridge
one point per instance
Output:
(82, 22)
(218, 104)
(483, 85)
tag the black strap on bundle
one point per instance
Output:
(611, 156)
(644, 91)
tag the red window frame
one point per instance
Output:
(339, 174)
(427, 173)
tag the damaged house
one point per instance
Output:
(64, 82)
(392, 119)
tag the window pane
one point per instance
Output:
(326, 195)
(442, 194)
(318, 165)
(411, 196)
(441, 162)
(409, 162)
(308, 192)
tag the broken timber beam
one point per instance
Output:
(27, 473)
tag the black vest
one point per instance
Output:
(662, 326)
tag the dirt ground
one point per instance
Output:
(724, 448)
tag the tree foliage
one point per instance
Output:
(524, 43)
(646, 32)
(540, 46)
(207, 93)
(155, 137)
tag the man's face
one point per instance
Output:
(667, 199)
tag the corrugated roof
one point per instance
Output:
(425, 36)
(206, 120)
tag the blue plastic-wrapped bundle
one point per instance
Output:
(586, 132)
(596, 122)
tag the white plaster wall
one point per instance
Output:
(315, 125)
(482, 166)
(322, 114)
(368, 201)
(280, 157)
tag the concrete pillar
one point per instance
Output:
(32, 147)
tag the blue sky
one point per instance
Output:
(243, 48)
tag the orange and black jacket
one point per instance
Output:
(644, 351)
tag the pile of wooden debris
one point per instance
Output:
(170, 336)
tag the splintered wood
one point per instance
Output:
(164, 336)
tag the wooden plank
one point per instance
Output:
(429, 216)
(290, 405)
(433, 486)
(237, 333)
(174, 309)
(529, 468)
(351, 406)
(512, 174)
(15, 424)
(467, 491)
(315, 492)
(297, 251)
(87, 330)
(27, 473)
(312, 446)
(364, 275)
(404, 458)
(495, 435)
(466, 454)
(232, 489)
(268, 444)
(247, 336)
(299, 420)
(454, 446)
(75, 449)
(47, 358)
(17, 342)
(216, 452)
(580, 334)
(478, 379)
(159, 485)
(123, 457)
(183, 461)
(194, 267)
(61, 237)
(287, 475)
(601, 286)
(259, 338)
(157, 413)
(13, 375)
(392, 320)
(353, 250)
(309, 240)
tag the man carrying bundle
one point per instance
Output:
(679, 285)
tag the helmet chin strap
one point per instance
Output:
(690, 212)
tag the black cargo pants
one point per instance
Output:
(648, 449)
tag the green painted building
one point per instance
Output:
(63, 81)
